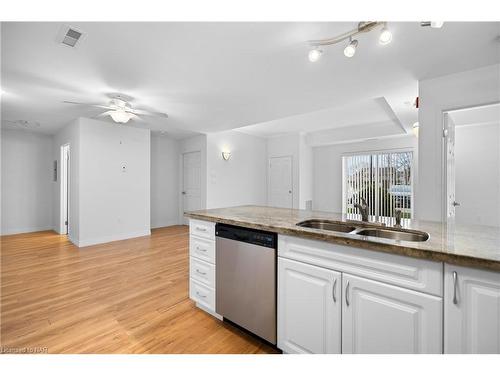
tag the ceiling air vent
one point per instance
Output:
(69, 36)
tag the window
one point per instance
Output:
(384, 180)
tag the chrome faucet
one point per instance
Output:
(363, 209)
(397, 216)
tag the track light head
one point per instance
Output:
(433, 24)
(315, 54)
(350, 50)
(385, 36)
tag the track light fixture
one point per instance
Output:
(385, 36)
(433, 24)
(350, 50)
(315, 54)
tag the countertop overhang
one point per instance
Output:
(466, 245)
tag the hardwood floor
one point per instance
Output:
(127, 296)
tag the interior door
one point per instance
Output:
(378, 318)
(309, 308)
(451, 204)
(191, 183)
(280, 192)
(471, 311)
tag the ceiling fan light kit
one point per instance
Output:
(120, 110)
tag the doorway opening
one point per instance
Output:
(65, 177)
(472, 163)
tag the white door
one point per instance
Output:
(280, 191)
(191, 183)
(64, 188)
(378, 318)
(471, 310)
(309, 312)
(451, 203)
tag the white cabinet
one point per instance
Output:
(381, 318)
(309, 308)
(471, 310)
(202, 266)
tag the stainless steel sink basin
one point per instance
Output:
(326, 225)
(397, 235)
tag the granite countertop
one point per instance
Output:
(467, 245)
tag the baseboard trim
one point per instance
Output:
(8, 232)
(105, 239)
(168, 223)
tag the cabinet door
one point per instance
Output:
(309, 300)
(381, 318)
(471, 310)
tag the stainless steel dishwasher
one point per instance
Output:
(246, 279)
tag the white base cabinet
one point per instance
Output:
(380, 318)
(309, 308)
(471, 310)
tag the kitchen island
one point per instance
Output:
(343, 292)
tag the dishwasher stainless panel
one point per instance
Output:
(246, 285)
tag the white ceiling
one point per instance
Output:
(217, 76)
(484, 115)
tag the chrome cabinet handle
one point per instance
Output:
(201, 229)
(201, 273)
(200, 249)
(347, 294)
(200, 295)
(455, 299)
(334, 289)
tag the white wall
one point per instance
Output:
(114, 182)
(477, 174)
(242, 179)
(164, 181)
(26, 181)
(327, 168)
(305, 173)
(466, 89)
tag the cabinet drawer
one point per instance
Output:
(203, 229)
(202, 294)
(202, 271)
(202, 249)
(418, 274)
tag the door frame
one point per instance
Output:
(183, 219)
(444, 153)
(269, 175)
(65, 173)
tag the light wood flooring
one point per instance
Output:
(127, 296)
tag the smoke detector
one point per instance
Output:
(69, 36)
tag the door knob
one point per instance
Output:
(183, 193)
(456, 204)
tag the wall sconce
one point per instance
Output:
(415, 129)
(226, 155)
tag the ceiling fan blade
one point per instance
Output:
(89, 104)
(148, 113)
(136, 118)
(104, 114)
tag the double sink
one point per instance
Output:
(366, 230)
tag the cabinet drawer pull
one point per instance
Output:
(201, 229)
(347, 294)
(201, 273)
(200, 249)
(455, 299)
(334, 289)
(200, 295)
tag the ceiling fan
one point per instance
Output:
(120, 109)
